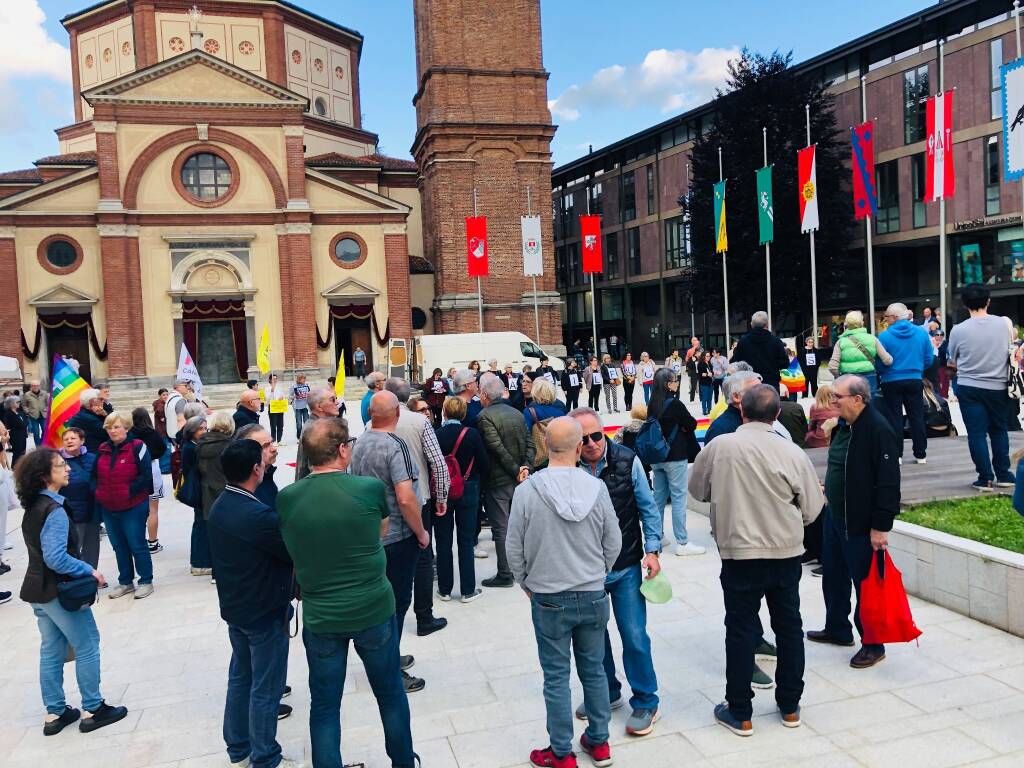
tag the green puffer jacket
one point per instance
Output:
(851, 358)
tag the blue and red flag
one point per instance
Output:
(865, 199)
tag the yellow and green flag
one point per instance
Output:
(263, 351)
(339, 378)
(721, 237)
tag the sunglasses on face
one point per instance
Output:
(596, 437)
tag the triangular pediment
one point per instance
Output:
(195, 77)
(62, 296)
(350, 288)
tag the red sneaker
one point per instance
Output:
(601, 754)
(546, 758)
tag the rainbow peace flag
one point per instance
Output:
(64, 400)
(793, 377)
(702, 428)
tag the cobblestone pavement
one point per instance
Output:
(956, 699)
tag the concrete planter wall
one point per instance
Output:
(976, 580)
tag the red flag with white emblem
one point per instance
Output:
(590, 234)
(476, 246)
(940, 180)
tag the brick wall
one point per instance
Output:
(296, 168)
(396, 261)
(122, 305)
(10, 307)
(106, 161)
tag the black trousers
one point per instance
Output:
(594, 397)
(694, 385)
(744, 583)
(572, 397)
(423, 585)
(906, 394)
(276, 427)
(627, 394)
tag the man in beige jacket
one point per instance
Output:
(763, 491)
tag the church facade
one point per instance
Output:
(217, 179)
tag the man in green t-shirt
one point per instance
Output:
(332, 524)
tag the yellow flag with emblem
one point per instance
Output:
(263, 351)
(339, 379)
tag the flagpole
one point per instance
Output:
(767, 244)
(536, 305)
(725, 271)
(867, 221)
(1016, 28)
(814, 268)
(593, 302)
(693, 313)
(479, 285)
(942, 200)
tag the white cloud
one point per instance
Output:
(28, 49)
(668, 80)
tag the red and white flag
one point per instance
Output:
(939, 179)
(476, 246)
(807, 187)
(590, 235)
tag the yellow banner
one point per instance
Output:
(279, 406)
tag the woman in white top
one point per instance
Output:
(646, 375)
(275, 391)
(628, 379)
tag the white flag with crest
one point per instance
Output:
(533, 255)
(187, 371)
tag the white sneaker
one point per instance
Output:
(480, 553)
(143, 591)
(470, 598)
(121, 590)
(444, 598)
(8, 545)
(243, 763)
(920, 461)
(286, 763)
(689, 548)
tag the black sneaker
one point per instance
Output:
(431, 626)
(54, 727)
(283, 711)
(103, 716)
(5, 597)
(406, 662)
(287, 691)
(818, 571)
(4, 568)
(413, 684)
(155, 546)
(498, 581)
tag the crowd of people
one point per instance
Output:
(376, 525)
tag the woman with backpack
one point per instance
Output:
(464, 452)
(668, 442)
(124, 482)
(143, 429)
(542, 410)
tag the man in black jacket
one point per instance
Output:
(640, 522)
(248, 411)
(862, 487)
(763, 350)
(254, 587)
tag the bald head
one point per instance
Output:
(563, 439)
(374, 380)
(383, 410)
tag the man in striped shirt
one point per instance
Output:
(382, 454)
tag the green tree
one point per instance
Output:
(763, 92)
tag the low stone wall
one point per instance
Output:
(976, 580)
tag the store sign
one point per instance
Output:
(988, 222)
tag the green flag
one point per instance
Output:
(765, 206)
(721, 237)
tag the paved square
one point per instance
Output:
(957, 699)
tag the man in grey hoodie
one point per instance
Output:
(563, 538)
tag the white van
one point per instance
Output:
(457, 350)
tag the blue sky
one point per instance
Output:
(615, 67)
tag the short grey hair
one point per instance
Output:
(374, 379)
(193, 409)
(739, 365)
(736, 383)
(461, 379)
(246, 432)
(759, 319)
(492, 387)
(899, 310)
(584, 410)
(761, 403)
(858, 385)
(87, 396)
(493, 360)
(221, 421)
(10, 401)
(400, 388)
(191, 425)
(317, 396)
(543, 392)
(854, 319)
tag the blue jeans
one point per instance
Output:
(744, 583)
(301, 417)
(706, 393)
(630, 609)
(459, 523)
(984, 412)
(60, 628)
(256, 678)
(327, 656)
(36, 428)
(670, 482)
(576, 620)
(126, 532)
(199, 551)
(647, 392)
(402, 557)
(844, 561)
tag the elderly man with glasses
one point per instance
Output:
(323, 404)
(640, 523)
(248, 410)
(862, 489)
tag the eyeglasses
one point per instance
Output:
(837, 396)
(425, 409)
(60, 465)
(596, 437)
(349, 441)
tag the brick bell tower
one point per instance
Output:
(483, 122)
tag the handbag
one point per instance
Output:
(76, 594)
(884, 608)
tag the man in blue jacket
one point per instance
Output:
(254, 587)
(902, 386)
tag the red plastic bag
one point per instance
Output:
(884, 609)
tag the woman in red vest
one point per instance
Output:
(124, 481)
